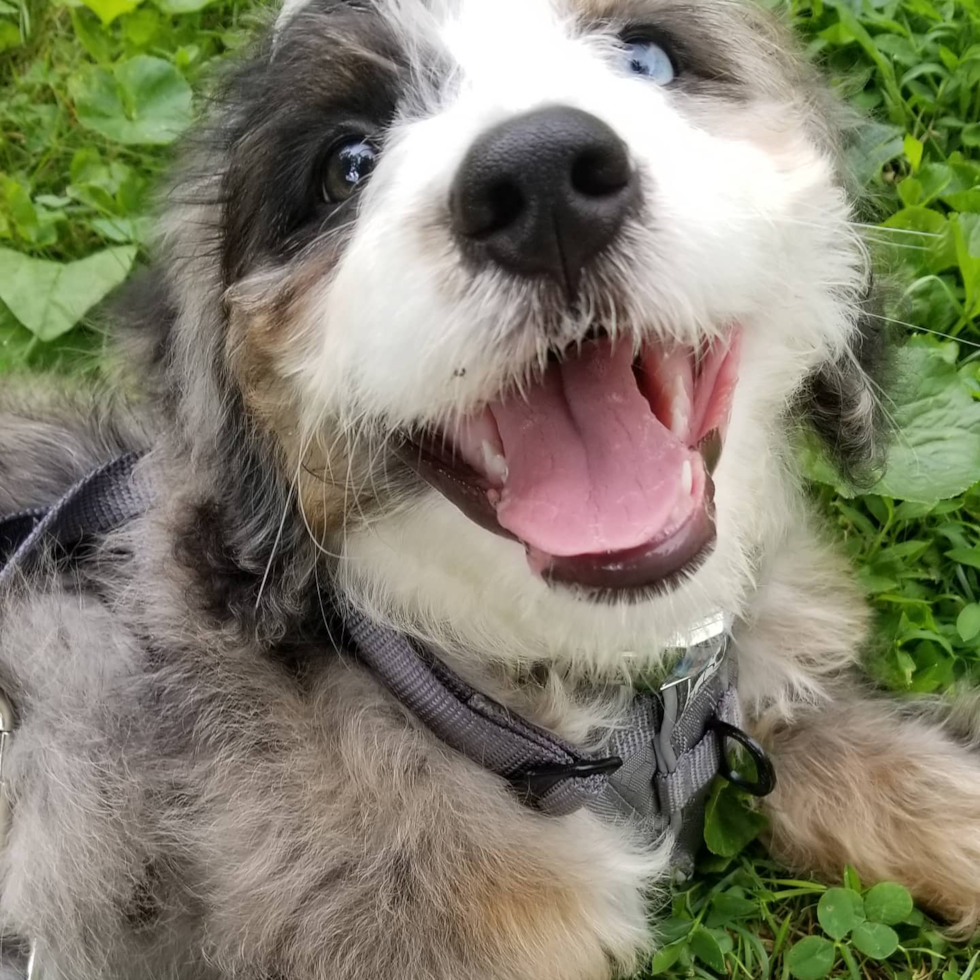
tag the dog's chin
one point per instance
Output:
(600, 466)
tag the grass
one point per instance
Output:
(92, 93)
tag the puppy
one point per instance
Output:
(492, 322)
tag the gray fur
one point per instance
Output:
(53, 435)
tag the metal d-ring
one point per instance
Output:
(765, 781)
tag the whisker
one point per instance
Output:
(918, 329)
(275, 546)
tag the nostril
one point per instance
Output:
(599, 172)
(506, 202)
(483, 208)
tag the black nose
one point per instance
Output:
(544, 193)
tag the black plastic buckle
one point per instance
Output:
(534, 783)
(765, 781)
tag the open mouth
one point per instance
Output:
(602, 467)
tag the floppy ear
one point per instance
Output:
(842, 399)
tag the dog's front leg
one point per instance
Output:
(887, 787)
(890, 787)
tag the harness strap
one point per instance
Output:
(99, 502)
(545, 769)
(653, 771)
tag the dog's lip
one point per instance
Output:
(472, 472)
(658, 564)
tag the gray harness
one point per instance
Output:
(653, 772)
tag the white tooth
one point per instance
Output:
(494, 462)
(687, 477)
(679, 421)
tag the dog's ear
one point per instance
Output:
(842, 399)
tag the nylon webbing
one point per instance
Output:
(667, 756)
(99, 502)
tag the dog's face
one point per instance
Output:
(525, 289)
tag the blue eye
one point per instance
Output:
(647, 58)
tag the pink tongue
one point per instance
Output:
(591, 468)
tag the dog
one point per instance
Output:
(494, 322)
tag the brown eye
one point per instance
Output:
(349, 164)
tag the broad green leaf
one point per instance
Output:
(900, 49)
(885, 69)
(122, 230)
(811, 958)
(910, 191)
(95, 40)
(52, 200)
(965, 556)
(705, 947)
(873, 583)
(15, 341)
(888, 903)
(141, 27)
(840, 910)
(968, 626)
(664, 959)
(674, 929)
(934, 178)
(966, 234)
(49, 298)
(9, 35)
(948, 57)
(935, 453)
(108, 10)
(186, 55)
(875, 940)
(729, 822)
(143, 100)
(970, 135)
(873, 146)
(26, 219)
(935, 239)
(713, 864)
(87, 167)
(904, 550)
(913, 150)
(931, 636)
(729, 906)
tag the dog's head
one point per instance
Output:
(525, 290)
